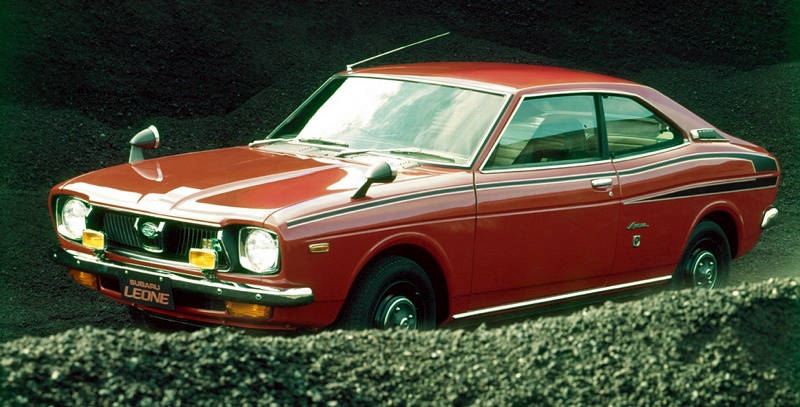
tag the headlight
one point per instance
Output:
(72, 220)
(259, 250)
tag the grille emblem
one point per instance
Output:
(152, 235)
(149, 230)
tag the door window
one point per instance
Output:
(633, 128)
(547, 130)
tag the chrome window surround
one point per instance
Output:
(504, 91)
(573, 92)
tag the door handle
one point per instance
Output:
(602, 182)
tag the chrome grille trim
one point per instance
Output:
(121, 229)
(193, 237)
(179, 237)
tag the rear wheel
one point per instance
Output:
(392, 292)
(706, 261)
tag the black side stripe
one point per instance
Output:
(761, 163)
(715, 189)
(376, 203)
(764, 164)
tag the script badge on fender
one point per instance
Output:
(148, 290)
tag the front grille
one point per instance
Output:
(172, 242)
(121, 229)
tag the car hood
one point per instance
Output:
(221, 186)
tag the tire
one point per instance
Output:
(392, 292)
(705, 263)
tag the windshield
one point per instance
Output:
(423, 121)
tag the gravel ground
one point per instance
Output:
(674, 348)
(78, 80)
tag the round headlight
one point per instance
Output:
(73, 218)
(261, 251)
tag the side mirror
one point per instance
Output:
(379, 172)
(146, 139)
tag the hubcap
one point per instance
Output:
(705, 271)
(397, 312)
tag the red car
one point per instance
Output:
(423, 195)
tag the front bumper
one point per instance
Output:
(220, 290)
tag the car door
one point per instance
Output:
(547, 206)
(650, 156)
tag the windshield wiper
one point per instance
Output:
(403, 151)
(420, 153)
(346, 153)
(324, 142)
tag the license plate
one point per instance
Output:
(145, 289)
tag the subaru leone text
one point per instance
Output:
(423, 195)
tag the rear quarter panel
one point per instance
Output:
(672, 191)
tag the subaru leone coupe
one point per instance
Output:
(423, 195)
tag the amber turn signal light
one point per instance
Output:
(84, 278)
(239, 309)
(205, 259)
(94, 239)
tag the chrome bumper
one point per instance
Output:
(768, 219)
(222, 290)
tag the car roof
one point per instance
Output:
(514, 76)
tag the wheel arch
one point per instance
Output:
(727, 217)
(424, 252)
(432, 268)
(726, 221)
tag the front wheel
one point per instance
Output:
(392, 292)
(706, 261)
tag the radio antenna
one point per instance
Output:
(350, 67)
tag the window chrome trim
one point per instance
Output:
(649, 153)
(484, 87)
(505, 92)
(528, 167)
(561, 297)
(589, 92)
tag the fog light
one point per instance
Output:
(205, 259)
(94, 239)
(84, 278)
(239, 309)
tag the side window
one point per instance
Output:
(633, 128)
(547, 130)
